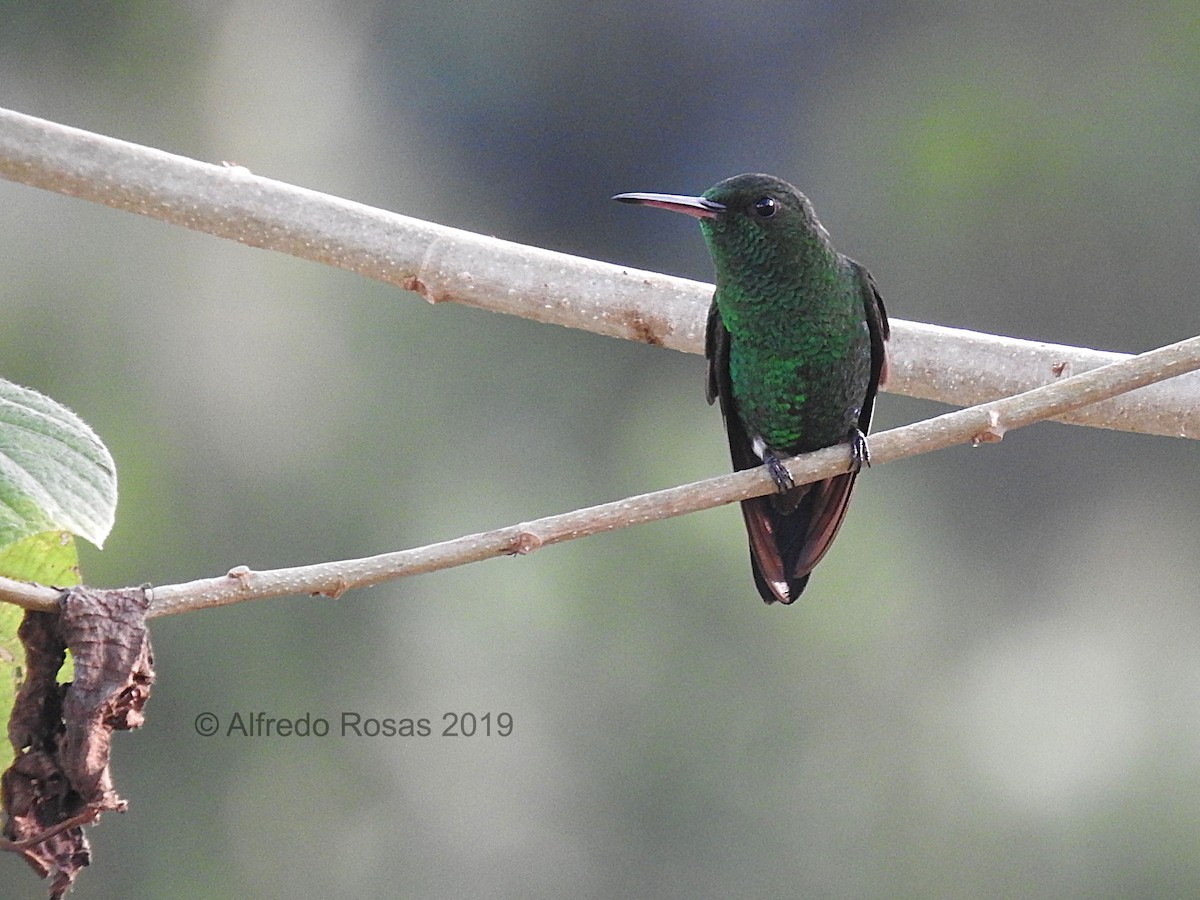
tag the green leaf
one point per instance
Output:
(48, 557)
(54, 472)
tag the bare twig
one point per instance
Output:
(978, 424)
(444, 264)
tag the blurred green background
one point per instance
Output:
(991, 687)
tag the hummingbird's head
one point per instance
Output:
(747, 219)
(761, 216)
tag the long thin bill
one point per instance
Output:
(699, 207)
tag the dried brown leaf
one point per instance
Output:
(62, 734)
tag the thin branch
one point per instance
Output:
(444, 264)
(985, 423)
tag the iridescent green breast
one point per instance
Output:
(799, 359)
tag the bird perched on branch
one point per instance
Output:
(795, 349)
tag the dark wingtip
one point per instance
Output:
(794, 590)
(772, 592)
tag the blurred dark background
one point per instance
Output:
(992, 685)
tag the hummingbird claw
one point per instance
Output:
(860, 452)
(779, 473)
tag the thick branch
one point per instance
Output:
(978, 424)
(444, 264)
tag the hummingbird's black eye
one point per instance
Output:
(765, 207)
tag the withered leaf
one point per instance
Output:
(62, 734)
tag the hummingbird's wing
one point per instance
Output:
(877, 324)
(716, 351)
(790, 532)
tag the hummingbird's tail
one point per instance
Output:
(790, 532)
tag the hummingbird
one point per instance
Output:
(795, 344)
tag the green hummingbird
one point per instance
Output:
(795, 349)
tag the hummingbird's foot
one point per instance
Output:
(860, 453)
(779, 474)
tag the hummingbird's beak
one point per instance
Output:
(699, 207)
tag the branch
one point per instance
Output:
(444, 264)
(985, 423)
